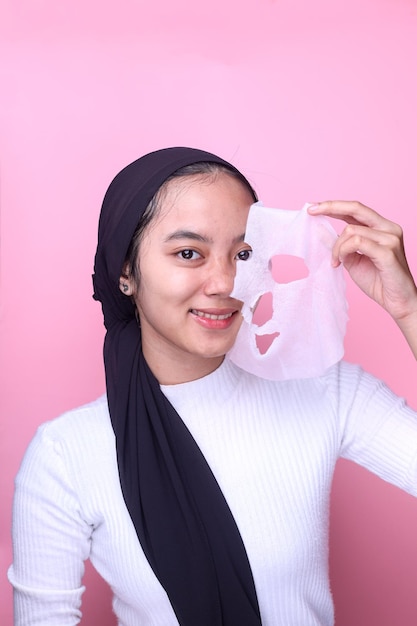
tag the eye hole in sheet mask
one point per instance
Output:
(286, 268)
(294, 305)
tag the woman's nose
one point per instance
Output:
(220, 278)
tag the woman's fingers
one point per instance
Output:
(381, 246)
(364, 228)
(353, 212)
(371, 248)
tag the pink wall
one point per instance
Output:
(312, 100)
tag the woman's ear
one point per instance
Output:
(126, 282)
(124, 286)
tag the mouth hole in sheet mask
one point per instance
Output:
(264, 342)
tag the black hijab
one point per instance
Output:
(182, 520)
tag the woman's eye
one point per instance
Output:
(244, 255)
(188, 255)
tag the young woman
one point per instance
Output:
(199, 491)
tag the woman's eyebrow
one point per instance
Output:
(189, 234)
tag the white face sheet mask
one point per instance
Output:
(294, 303)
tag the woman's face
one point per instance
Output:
(187, 264)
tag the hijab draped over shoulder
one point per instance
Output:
(182, 520)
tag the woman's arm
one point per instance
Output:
(371, 248)
(50, 538)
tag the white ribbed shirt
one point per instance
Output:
(272, 447)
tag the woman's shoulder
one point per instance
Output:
(78, 443)
(82, 429)
(95, 410)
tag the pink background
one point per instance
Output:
(312, 100)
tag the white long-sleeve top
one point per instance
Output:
(272, 447)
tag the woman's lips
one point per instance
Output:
(212, 316)
(214, 319)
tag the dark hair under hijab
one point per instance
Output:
(182, 520)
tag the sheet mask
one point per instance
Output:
(295, 309)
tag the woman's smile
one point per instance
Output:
(214, 319)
